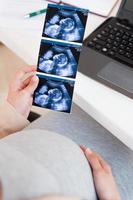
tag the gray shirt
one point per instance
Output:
(35, 162)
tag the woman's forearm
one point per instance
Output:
(10, 120)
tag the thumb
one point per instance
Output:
(32, 85)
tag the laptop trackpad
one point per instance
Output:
(119, 75)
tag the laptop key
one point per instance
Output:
(129, 49)
(128, 55)
(105, 50)
(115, 29)
(111, 36)
(110, 26)
(130, 45)
(111, 53)
(114, 49)
(125, 37)
(124, 42)
(122, 46)
(119, 34)
(100, 42)
(101, 37)
(91, 44)
(116, 44)
(109, 41)
(104, 33)
(118, 39)
(122, 52)
(108, 45)
(95, 39)
(98, 47)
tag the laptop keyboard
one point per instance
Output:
(114, 40)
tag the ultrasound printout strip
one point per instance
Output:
(60, 49)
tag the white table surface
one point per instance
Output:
(110, 108)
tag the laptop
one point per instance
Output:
(107, 54)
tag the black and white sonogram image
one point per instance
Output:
(65, 23)
(54, 93)
(58, 58)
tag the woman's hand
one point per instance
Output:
(21, 91)
(103, 179)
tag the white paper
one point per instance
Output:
(100, 7)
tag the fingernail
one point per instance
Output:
(34, 78)
(88, 151)
(82, 148)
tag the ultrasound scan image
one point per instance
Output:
(58, 58)
(55, 94)
(65, 23)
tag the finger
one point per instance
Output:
(27, 79)
(32, 85)
(26, 82)
(83, 148)
(31, 66)
(23, 71)
(104, 164)
(93, 160)
(16, 83)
